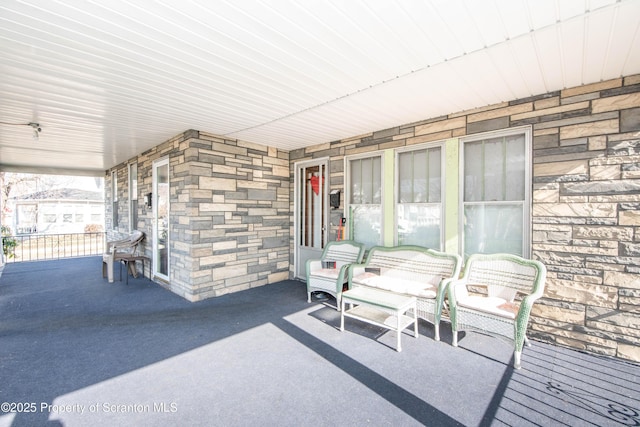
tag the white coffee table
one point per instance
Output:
(380, 308)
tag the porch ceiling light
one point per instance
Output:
(35, 126)
(36, 130)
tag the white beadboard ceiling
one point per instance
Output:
(107, 80)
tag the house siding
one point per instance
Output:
(229, 213)
(232, 206)
(585, 208)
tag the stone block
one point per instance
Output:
(275, 242)
(228, 149)
(597, 143)
(261, 185)
(616, 103)
(437, 136)
(604, 233)
(442, 125)
(582, 293)
(218, 207)
(630, 120)
(500, 112)
(629, 352)
(278, 276)
(611, 115)
(604, 210)
(546, 141)
(546, 103)
(546, 196)
(280, 171)
(599, 173)
(220, 184)
(626, 323)
(632, 80)
(217, 259)
(594, 87)
(575, 167)
(602, 127)
(549, 111)
(266, 195)
(545, 313)
(488, 125)
(622, 280)
(601, 187)
(629, 218)
(629, 249)
(224, 245)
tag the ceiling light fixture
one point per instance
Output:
(35, 126)
(36, 130)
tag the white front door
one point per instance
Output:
(312, 212)
(161, 219)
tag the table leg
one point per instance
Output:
(342, 316)
(110, 270)
(415, 321)
(398, 347)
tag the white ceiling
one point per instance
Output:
(107, 80)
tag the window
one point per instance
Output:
(49, 214)
(133, 196)
(114, 195)
(419, 178)
(67, 214)
(495, 179)
(364, 175)
(96, 214)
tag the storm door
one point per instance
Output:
(312, 211)
(160, 200)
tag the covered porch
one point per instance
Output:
(86, 352)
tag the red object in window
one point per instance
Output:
(315, 184)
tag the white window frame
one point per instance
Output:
(527, 202)
(347, 182)
(396, 202)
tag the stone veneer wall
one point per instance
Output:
(229, 212)
(586, 203)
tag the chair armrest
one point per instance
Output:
(116, 243)
(443, 289)
(457, 289)
(314, 265)
(354, 270)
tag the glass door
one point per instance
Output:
(161, 219)
(312, 212)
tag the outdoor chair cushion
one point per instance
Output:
(491, 305)
(403, 286)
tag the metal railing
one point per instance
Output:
(39, 247)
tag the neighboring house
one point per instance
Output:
(554, 177)
(60, 211)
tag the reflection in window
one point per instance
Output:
(495, 197)
(419, 198)
(365, 204)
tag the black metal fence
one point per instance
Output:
(39, 247)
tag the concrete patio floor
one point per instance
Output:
(78, 351)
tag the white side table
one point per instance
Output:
(380, 308)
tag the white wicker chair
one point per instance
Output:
(329, 273)
(498, 312)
